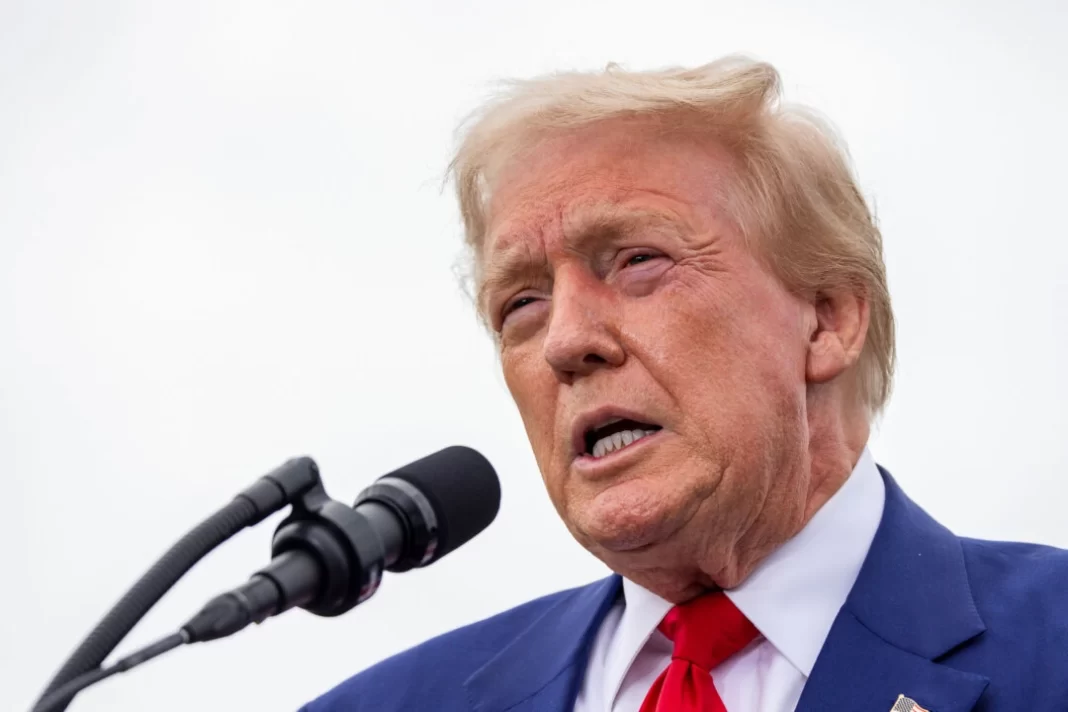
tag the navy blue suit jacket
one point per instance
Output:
(956, 624)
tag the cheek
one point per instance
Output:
(687, 334)
(533, 389)
(725, 351)
(774, 335)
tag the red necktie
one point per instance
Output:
(706, 631)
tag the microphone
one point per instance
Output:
(328, 558)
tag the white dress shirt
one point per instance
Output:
(792, 598)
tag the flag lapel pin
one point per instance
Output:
(907, 704)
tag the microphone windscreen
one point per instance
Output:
(462, 487)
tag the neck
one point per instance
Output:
(780, 502)
(835, 446)
(836, 439)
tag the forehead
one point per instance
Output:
(601, 176)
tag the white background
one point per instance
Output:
(223, 243)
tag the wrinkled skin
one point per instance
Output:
(617, 282)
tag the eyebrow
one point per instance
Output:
(516, 263)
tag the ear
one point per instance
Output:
(838, 335)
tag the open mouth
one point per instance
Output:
(615, 435)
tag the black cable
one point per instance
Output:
(62, 697)
(132, 607)
(262, 498)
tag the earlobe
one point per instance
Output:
(838, 337)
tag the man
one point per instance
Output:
(688, 295)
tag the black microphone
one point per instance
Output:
(328, 557)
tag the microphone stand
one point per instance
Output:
(327, 557)
(264, 497)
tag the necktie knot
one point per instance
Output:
(707, 630)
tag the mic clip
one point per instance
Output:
(326, 558)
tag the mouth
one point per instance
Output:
(605, 433)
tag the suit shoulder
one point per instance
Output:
(441, 664)
(1031, 573)
(1021, 592)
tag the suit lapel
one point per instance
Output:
(911, 604)
(858, 671)
(543, 665)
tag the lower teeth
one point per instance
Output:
(618, 441)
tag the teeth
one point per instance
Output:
(618, 441)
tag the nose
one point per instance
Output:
(582, 335)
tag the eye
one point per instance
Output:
(638, 259)
(633, 258)
(517, 304)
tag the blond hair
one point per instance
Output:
(794, 193)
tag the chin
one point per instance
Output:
(625, 518)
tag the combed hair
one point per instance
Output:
(793, 195)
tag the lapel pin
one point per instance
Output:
(907, 704)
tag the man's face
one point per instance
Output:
(658, 365)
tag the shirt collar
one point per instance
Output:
(794, 595)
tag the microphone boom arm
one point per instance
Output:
(264, 497)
